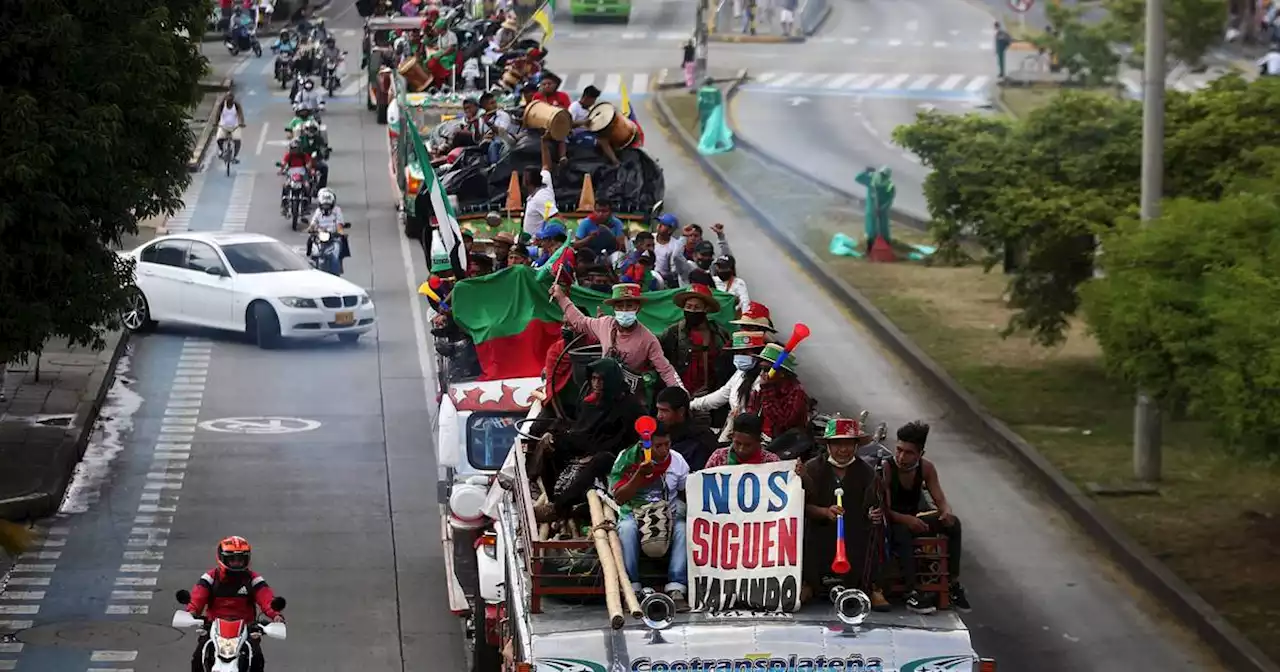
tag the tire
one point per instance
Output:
(263, 325)
(369, 103)
(137, 318)
(485, 657)
(349, 338)
(296, 209)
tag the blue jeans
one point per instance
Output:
(494, 151)
(678, 562)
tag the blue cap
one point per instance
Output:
(550, 230)
(668, 219)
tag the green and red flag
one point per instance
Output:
(510, 317)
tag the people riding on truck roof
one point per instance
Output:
(695, 345)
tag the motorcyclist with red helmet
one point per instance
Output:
(232, 591)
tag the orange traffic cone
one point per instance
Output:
(882, 251)
(513, 194)
(587, 200)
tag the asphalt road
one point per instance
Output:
(1044, 598)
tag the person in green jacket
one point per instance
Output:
(709, 98)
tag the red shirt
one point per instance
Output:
(559, 99)
(232, 596)
(296, 160)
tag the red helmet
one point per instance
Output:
(233, 554)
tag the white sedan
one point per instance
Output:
(243, 282)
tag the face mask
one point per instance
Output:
(704, 264)
(743, 362)
(694, 319)
(840, 465)
(625, 318)
(905, 467)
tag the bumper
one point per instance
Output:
(322, 322)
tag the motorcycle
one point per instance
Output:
(227, 649)
(297, 196)
(332, 77)
(283, 68)
(323, 246)
(242, 40)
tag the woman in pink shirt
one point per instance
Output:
(621, 334)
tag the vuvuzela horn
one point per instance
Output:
(624, 581)
(612, 595)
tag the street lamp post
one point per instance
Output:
(700, 42)
(1146, 412)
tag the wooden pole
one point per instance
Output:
(612, 595)
(624, 581)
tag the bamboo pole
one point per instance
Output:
(624, 581)
(544, 529)
(612, 596)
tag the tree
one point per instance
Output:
(95, 105)
(1187, 309)
(1083, 48)
(1192, 27)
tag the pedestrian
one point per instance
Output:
(749, 17)
(1003, 41)
(690, 58)
(787, 15)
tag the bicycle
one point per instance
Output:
(227, 147)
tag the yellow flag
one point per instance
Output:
(626, 102)
(543, 20)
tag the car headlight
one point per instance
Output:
(297, 302)
(365, 300)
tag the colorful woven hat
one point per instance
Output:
(843, 428)
(747, 340)
(771, 353)
(625, 292)
(701, 293)
(756, 315)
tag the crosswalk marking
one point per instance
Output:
(977, 84)
(841, 81)
(639, 83)
(612, 83)
(811, 80)
(951, 82)
(865, 82)
(845, 82)
(785, 80)
(894, 82)
(921, 83)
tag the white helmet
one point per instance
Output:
(327, 197)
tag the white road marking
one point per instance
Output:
(8, 664)
(13, 626)
(41, 555)
(951, 82)
(235, 219)
(11, 647)
(127, 609)
(139, 569)
(28, 581)
(143, 555)
(894, 82)
(921, 83)
(22, 568)
(977, 84)
(895, 43)
(841, 81)
(152, 508)
(639, 84)
(23, 595)
(136, 580)
(426, 360)
(180, 221)
(19, 609)
(786, 79)
(142, 595)
(113, 656)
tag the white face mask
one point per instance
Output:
(841, 465)
(625, 318)
(743, 362)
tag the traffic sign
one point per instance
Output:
(259, 425)
(1021, 5)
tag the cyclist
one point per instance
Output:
(230, 121)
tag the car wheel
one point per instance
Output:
(348, 338)
(137, 317)
(264, 325)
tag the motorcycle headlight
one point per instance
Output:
(323, 236)
(228, 648)
(297, 302)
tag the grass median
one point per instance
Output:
(1216, 518)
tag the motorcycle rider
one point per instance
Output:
(328, 217)
(294, 159)
(232, 591)
(308, 98)
(314, 143)
(332, 57)
(286, 43)
(230, 121)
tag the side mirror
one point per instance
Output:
(215, 270)
(279, 603)
(183, 597)
(279, 165)
(348, 225)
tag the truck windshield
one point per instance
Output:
(489, 439)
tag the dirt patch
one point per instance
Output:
(1019, 101)
(1216, 519)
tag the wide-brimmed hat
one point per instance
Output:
(504, 237)
(510, 23)
(742, 341)
(843, 428)
(625, 292)
(771, 353)
(756, 315)
(700, 292)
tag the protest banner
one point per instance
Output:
(746, 537)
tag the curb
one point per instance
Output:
(742, 142)
(48, 498)
(1143, 568)
(206, 135)
(756, 39)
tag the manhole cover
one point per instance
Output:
(99, 635)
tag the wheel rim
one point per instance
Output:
(137, 313)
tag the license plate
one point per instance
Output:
(345, 319)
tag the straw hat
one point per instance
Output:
(625, 292)
(843, 428)
(756, 315)
(745, 341)
(701, 293)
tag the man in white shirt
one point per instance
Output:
(541, 204)
(580, 111)
(665, 244)
(497, 126)
(1270, 64)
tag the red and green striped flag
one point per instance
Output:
(512, 321)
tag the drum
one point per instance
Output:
(510, 79)
(415, 75)
(554, 122)
(610, 126)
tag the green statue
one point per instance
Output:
(709, 98)
(881, 193)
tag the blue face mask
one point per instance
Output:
(743, 362)
(625, 318)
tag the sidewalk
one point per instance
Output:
(47, 420)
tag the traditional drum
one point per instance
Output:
(609, 126)
(415, 75)
(554, 122)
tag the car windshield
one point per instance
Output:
(489, 438)
(264, 257)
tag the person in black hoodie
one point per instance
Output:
(693, 440)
